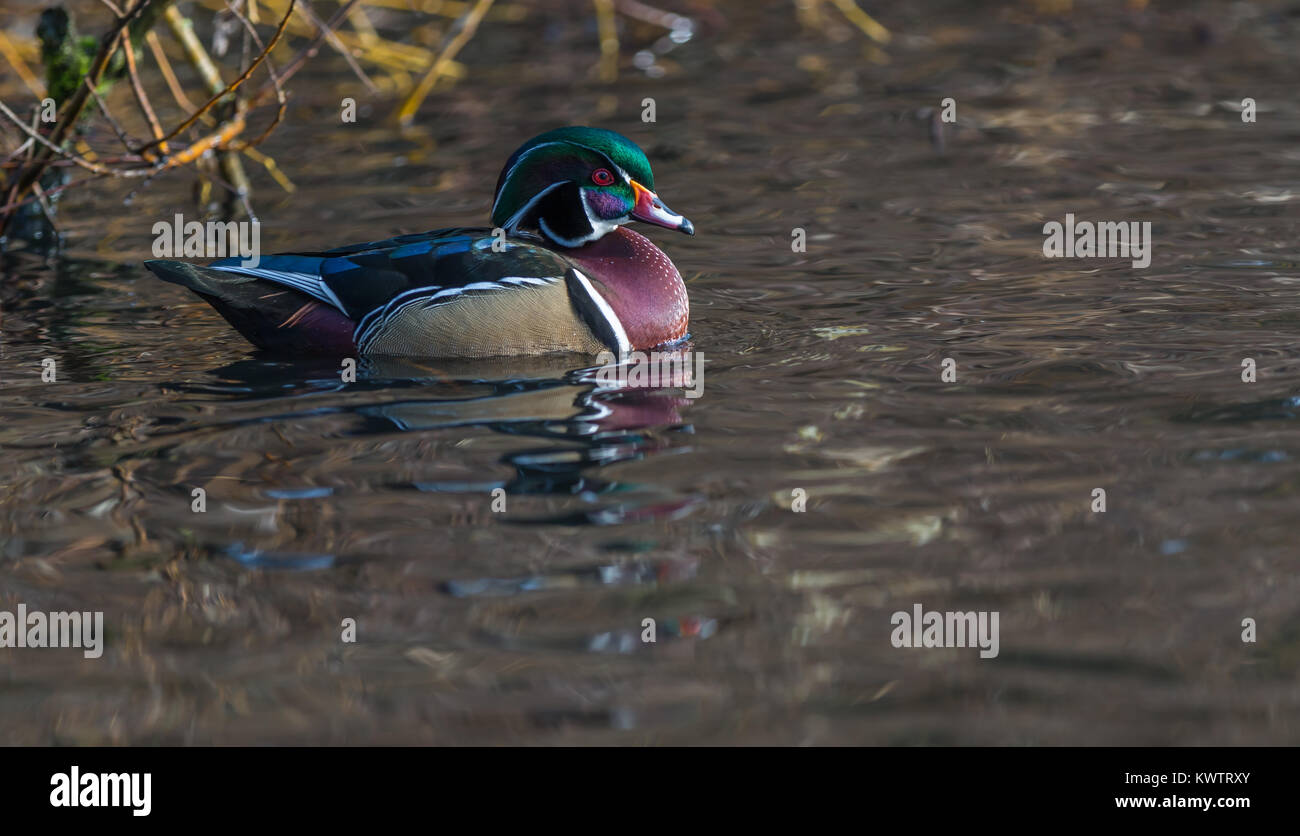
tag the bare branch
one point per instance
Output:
(89, 166)
(464, 29)
(141, 97)
(117, 128)
(234, 85)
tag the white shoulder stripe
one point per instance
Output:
(620, 335)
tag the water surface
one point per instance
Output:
(373, 500)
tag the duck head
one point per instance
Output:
(574, 185)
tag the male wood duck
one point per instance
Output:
(565, 274)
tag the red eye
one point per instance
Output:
(602, 177)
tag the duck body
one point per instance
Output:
(450, 293)
(558, 274)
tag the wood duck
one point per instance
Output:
(560, 273)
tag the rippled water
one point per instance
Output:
(373, 500)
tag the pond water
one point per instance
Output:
(823, 386)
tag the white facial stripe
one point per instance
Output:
(514, 220)
(599, 226)
(511, 171)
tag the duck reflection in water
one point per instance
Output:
(589, 418)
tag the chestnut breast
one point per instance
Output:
(640, 283)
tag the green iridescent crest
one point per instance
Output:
(570, 155)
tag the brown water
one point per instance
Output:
(372, 500)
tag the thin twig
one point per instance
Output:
(649, 14)
(20, 66)
(464, 29)
(117, 128)
(183, 29)
(141, 97)
(25, 149)
(608, 30)
(271, 168)
(234, 85)
(338, 45)
(71, 109)
(364, 28)
(275, 81)
(227, 131)
(240, 194)
(49, 193)
(46, 208)
(869, 26)
(169, 75)
(307, 52)
(51, 146)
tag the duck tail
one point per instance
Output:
(271, 316)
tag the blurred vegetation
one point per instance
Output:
(70, 75)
